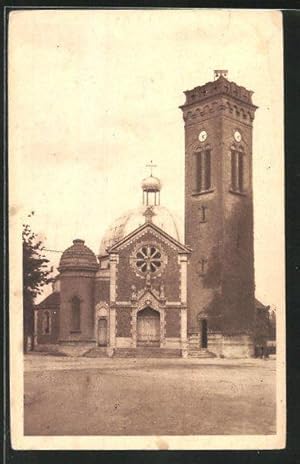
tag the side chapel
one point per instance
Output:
(151, 289)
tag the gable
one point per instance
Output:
(132, 270)
(155, 232)
(51, 301)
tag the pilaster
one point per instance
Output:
(112, 328)
(113, 259)
(182, 259)
(183, 334)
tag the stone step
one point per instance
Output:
(97, 352)
(143, 352)
(200, 354)
(75, 350)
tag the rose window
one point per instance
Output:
(148, 259)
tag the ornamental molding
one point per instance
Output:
(67, 274)
(102, 309)
(149, 300)
(151, 293)
(197, 146)
(202, 315)
(240, 112)
(175, 304)
(103, 274)
(182, 258)
(114, 258)
(155, 233)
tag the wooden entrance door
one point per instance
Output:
(148, 327)
(102, 332)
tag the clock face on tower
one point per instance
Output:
(202, 136)
(237, 136)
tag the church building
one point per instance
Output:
(149, 290)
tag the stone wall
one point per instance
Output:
(172, 322)
(123, 322)
(102, 290)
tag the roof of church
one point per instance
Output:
(51, 301)
(78, 256)
(148, 224)
(133, 219)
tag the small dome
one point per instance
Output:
(78, 257)
(151, 184)
(124, 225)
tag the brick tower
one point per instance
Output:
(218, 120)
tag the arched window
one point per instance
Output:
(237, 169)
(46, 322)
(202, 170)
(75, 314)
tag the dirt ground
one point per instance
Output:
(101, 396)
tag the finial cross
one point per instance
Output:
(151, 166)
(149, 213)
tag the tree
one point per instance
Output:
(272, 318)
(36, 274)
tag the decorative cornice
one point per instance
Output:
(196, 113)
(219, 87)
(114, 257)
(77, 273)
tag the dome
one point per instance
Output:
(151, 184)
(133, 219)
(78, 256)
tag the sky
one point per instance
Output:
(94, 96)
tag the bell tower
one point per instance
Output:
(218, 118)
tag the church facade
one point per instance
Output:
(151, 289)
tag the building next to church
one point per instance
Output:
(151, 289)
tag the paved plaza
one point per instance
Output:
(102, 396)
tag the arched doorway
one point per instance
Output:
(148, 327)
(101, 324)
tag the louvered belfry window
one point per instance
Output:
(237, 170)
(202, 170)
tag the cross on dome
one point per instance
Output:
(151, 188)
(151, 166)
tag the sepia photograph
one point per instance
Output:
(146, 218)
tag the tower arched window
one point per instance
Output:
(202, 160)
(46, 323)
(237, 169)
(75, 314)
